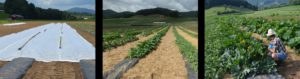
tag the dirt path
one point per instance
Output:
(291, 67)
(116, 55)
(5, 30)
(54, 70)
(2, 63)
(189, 38)
(166, 62)
(87, 36)
(189, 30)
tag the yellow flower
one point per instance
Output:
(249, 47)
(242, 42)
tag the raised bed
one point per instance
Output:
(120, 68)
(16, 68)
(88, 68)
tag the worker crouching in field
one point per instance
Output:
(276, 47)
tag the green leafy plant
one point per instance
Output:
(117, 39)
(188, 50)
(287, 30)
(147, 46)
(233, 51)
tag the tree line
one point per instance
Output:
(237, 3)
(294, 2)
(30, 11)
(161, 11)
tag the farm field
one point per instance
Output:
(18, 28)
(53, 69)
(148, 50)
(191, 26)
(240, 43)
(86, 29)
(58, 37)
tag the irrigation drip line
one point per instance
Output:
(60, 41)
(49, 40)
(120, 68)
(28, 41)
(61, 29)
(60, 38)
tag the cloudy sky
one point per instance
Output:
(134, 5)
(63, 4)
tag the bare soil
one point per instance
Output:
(290, 69)
(2, 63)
(87, 36)
(5, 30)
(189, 38)
(228, 76)
(54, 70)
(190, 30)
(116, 55)
(166, 62)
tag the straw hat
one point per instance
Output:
(271, 32)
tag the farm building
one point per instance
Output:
(159, 22)
(16, 16)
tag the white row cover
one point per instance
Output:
(13, 24)
(50, 42)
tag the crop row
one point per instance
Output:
(150, 31)
(287, 30)
(119, 33)
(188, 50)
(147, 46)
(117, 39)
(233, 51)
(188, 32)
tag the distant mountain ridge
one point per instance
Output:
(189, 14)
(81, 10)
(236, 3)
(145, 12)
(267, 3)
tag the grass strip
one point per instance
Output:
(188, 50)
(150, 31)
(188, 32)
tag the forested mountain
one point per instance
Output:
(267, 3)
(189, 14)
(145, 12)
(236, 3)
(30, 11)
(81, 10)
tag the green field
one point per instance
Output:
(88, 26)
(4, 18)
(231, 50)
(141, 22)
(142, 37)
(282, 11)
